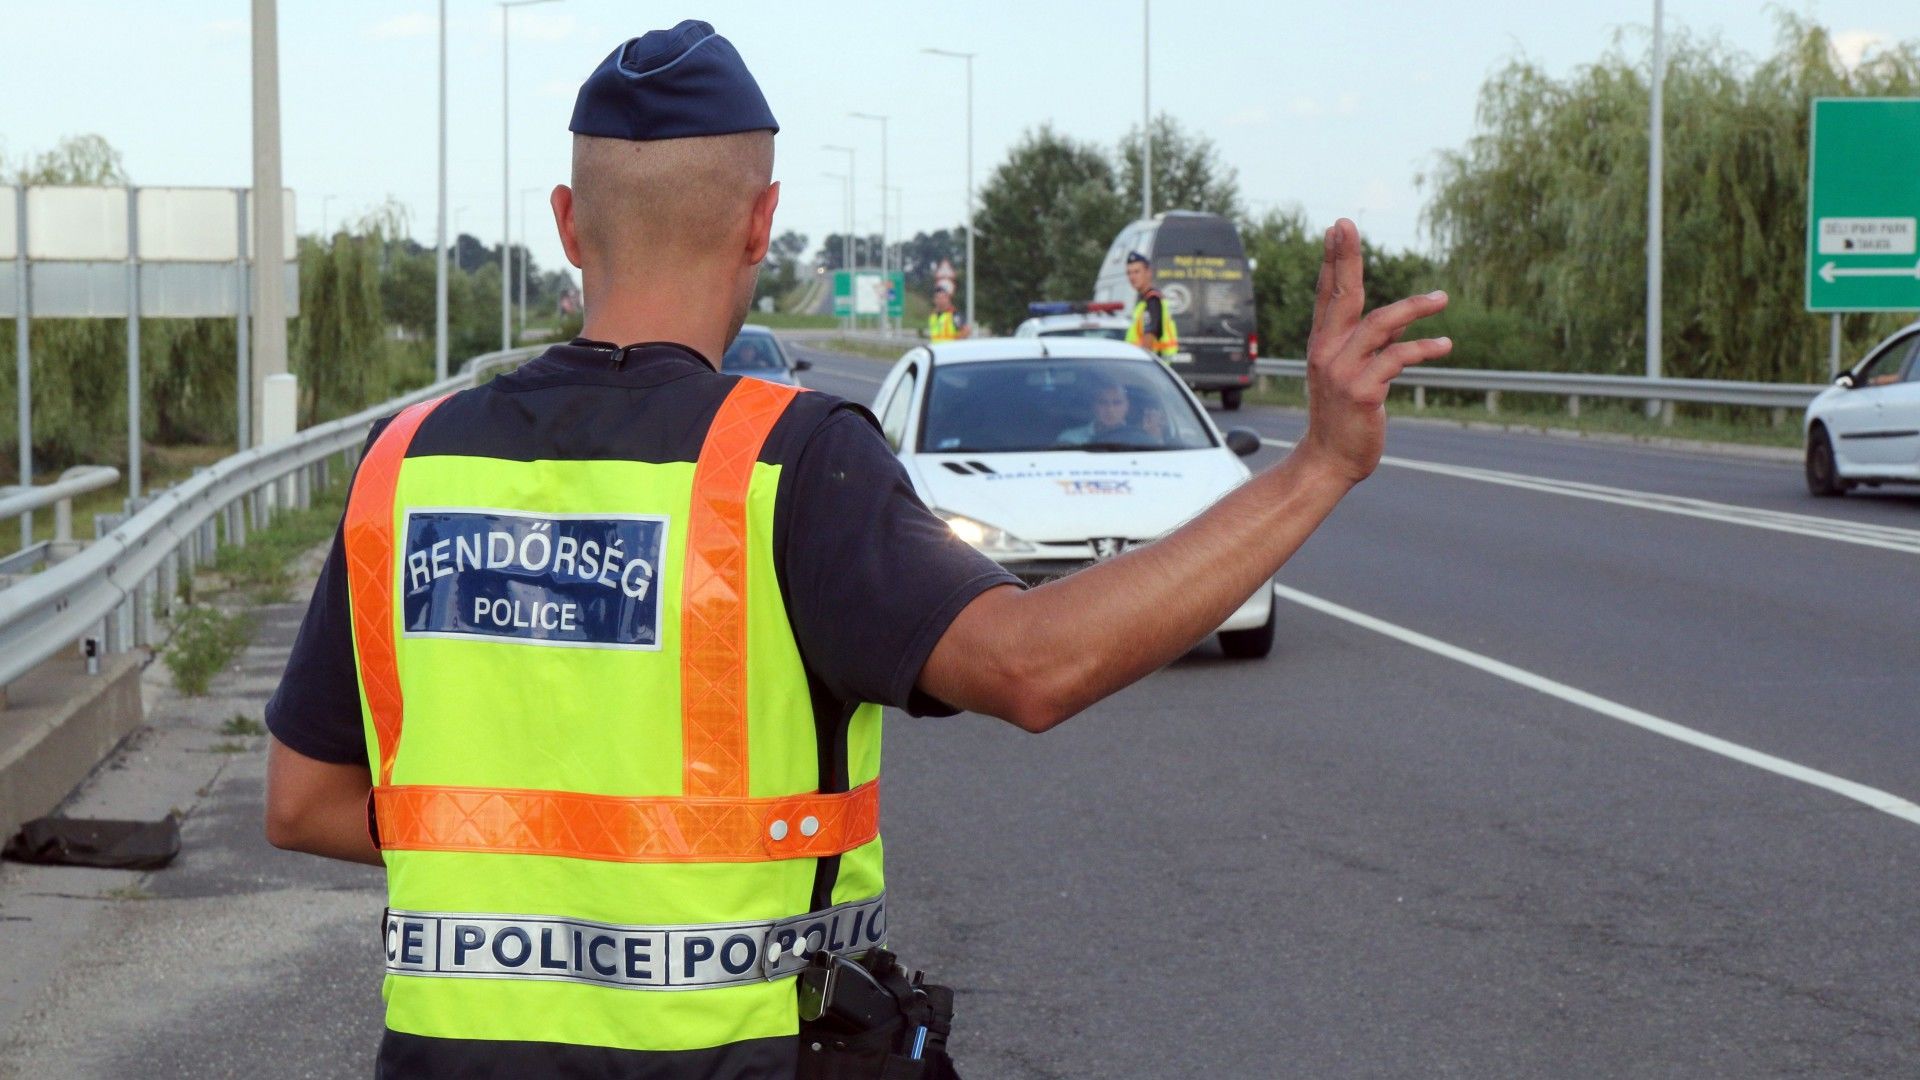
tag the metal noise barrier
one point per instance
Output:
(111, 590)
(1568, 384)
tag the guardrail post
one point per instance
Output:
(1666, 414)
(143, 612)
(1493, 401)
(1776, 417)
(1573, 406)
(1419, 398)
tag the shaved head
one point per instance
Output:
(669, 234)
(639, 204)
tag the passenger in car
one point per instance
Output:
(1110, 421)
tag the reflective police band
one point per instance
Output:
(686, 957)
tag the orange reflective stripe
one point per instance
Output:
(713, 604)
(610, 828)
(369, 549)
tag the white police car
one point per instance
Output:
(1060, 318)
(1865, 428)
(757, 353)
(1051, 453)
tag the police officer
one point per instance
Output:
(1152, 328)
(946, 324)
(595, 665)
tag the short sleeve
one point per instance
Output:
(316, 709)
(873, 577)
(1150, 323)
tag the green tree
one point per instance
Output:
(1543, 212)
(1046, 216)
(1188, 173)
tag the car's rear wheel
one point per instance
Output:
(1249, 644)
(1230, 398)
(1823, 476)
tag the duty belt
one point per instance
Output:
(693, 956)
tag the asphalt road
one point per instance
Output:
(1360, 857)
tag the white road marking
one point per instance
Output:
(1885, 802)
(1888, 537)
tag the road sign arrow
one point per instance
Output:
(1830, 271)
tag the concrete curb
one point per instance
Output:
(60, 724)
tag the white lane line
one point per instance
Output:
(1883, 801)
(1887, 537)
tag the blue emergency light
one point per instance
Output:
(1073, 307)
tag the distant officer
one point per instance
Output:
(1152, 328)
(946, 324)
(595, 666)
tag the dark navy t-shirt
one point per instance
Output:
(871, 578)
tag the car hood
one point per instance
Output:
(1071, 496)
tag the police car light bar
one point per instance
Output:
(1073, 307)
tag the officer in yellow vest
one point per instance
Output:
(594, 668)
(1152, 328)
(945, 324)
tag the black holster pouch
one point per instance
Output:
(867, 1019)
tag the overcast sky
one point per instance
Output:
(1335, 107)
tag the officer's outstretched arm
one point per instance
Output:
(1037, 657)
(318, 807)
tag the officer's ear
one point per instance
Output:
(562, 200)
(760, 223)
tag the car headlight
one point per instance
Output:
(989, 539)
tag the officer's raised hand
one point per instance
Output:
(1036, 657)
(1351, 359)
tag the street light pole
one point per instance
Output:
(846, 216)
(1146, 109)
(847, 244)
(269, 292)
(1656, 166)
(506, 183)
(524, 192)
(440, 222)
(968, 57)
(885, 316)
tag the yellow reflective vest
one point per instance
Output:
(597, 787)
(941, 327)
(1169, 338)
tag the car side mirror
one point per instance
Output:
(1244, 442)
(803, 365)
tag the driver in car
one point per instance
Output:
(1110, 423)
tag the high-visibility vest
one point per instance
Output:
(1169, 337)
(941, 327)
(588, 842)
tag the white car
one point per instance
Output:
(1048, 454)
(1865, 428)
(1092, 324)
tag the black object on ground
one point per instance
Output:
(116, 845)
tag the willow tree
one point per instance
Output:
(1543, 212)
(339, 344)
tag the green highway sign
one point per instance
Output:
(1863, 200)
(865, 292)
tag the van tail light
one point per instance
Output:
(1253, 346)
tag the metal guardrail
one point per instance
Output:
(1576, 386)
(112, 592)
(21, 502)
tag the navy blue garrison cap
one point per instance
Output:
(671, 84)
(1136, 257)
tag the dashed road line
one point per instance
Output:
(1883, 801)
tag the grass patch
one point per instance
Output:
(228, 748)
(1700, 423)
(204, 642)
(127, 892)
(788, 320)
(870, 349)
(264, 567)
(243, 725)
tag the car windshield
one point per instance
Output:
(1028, 405)
(1111, 333)
(753, 352)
